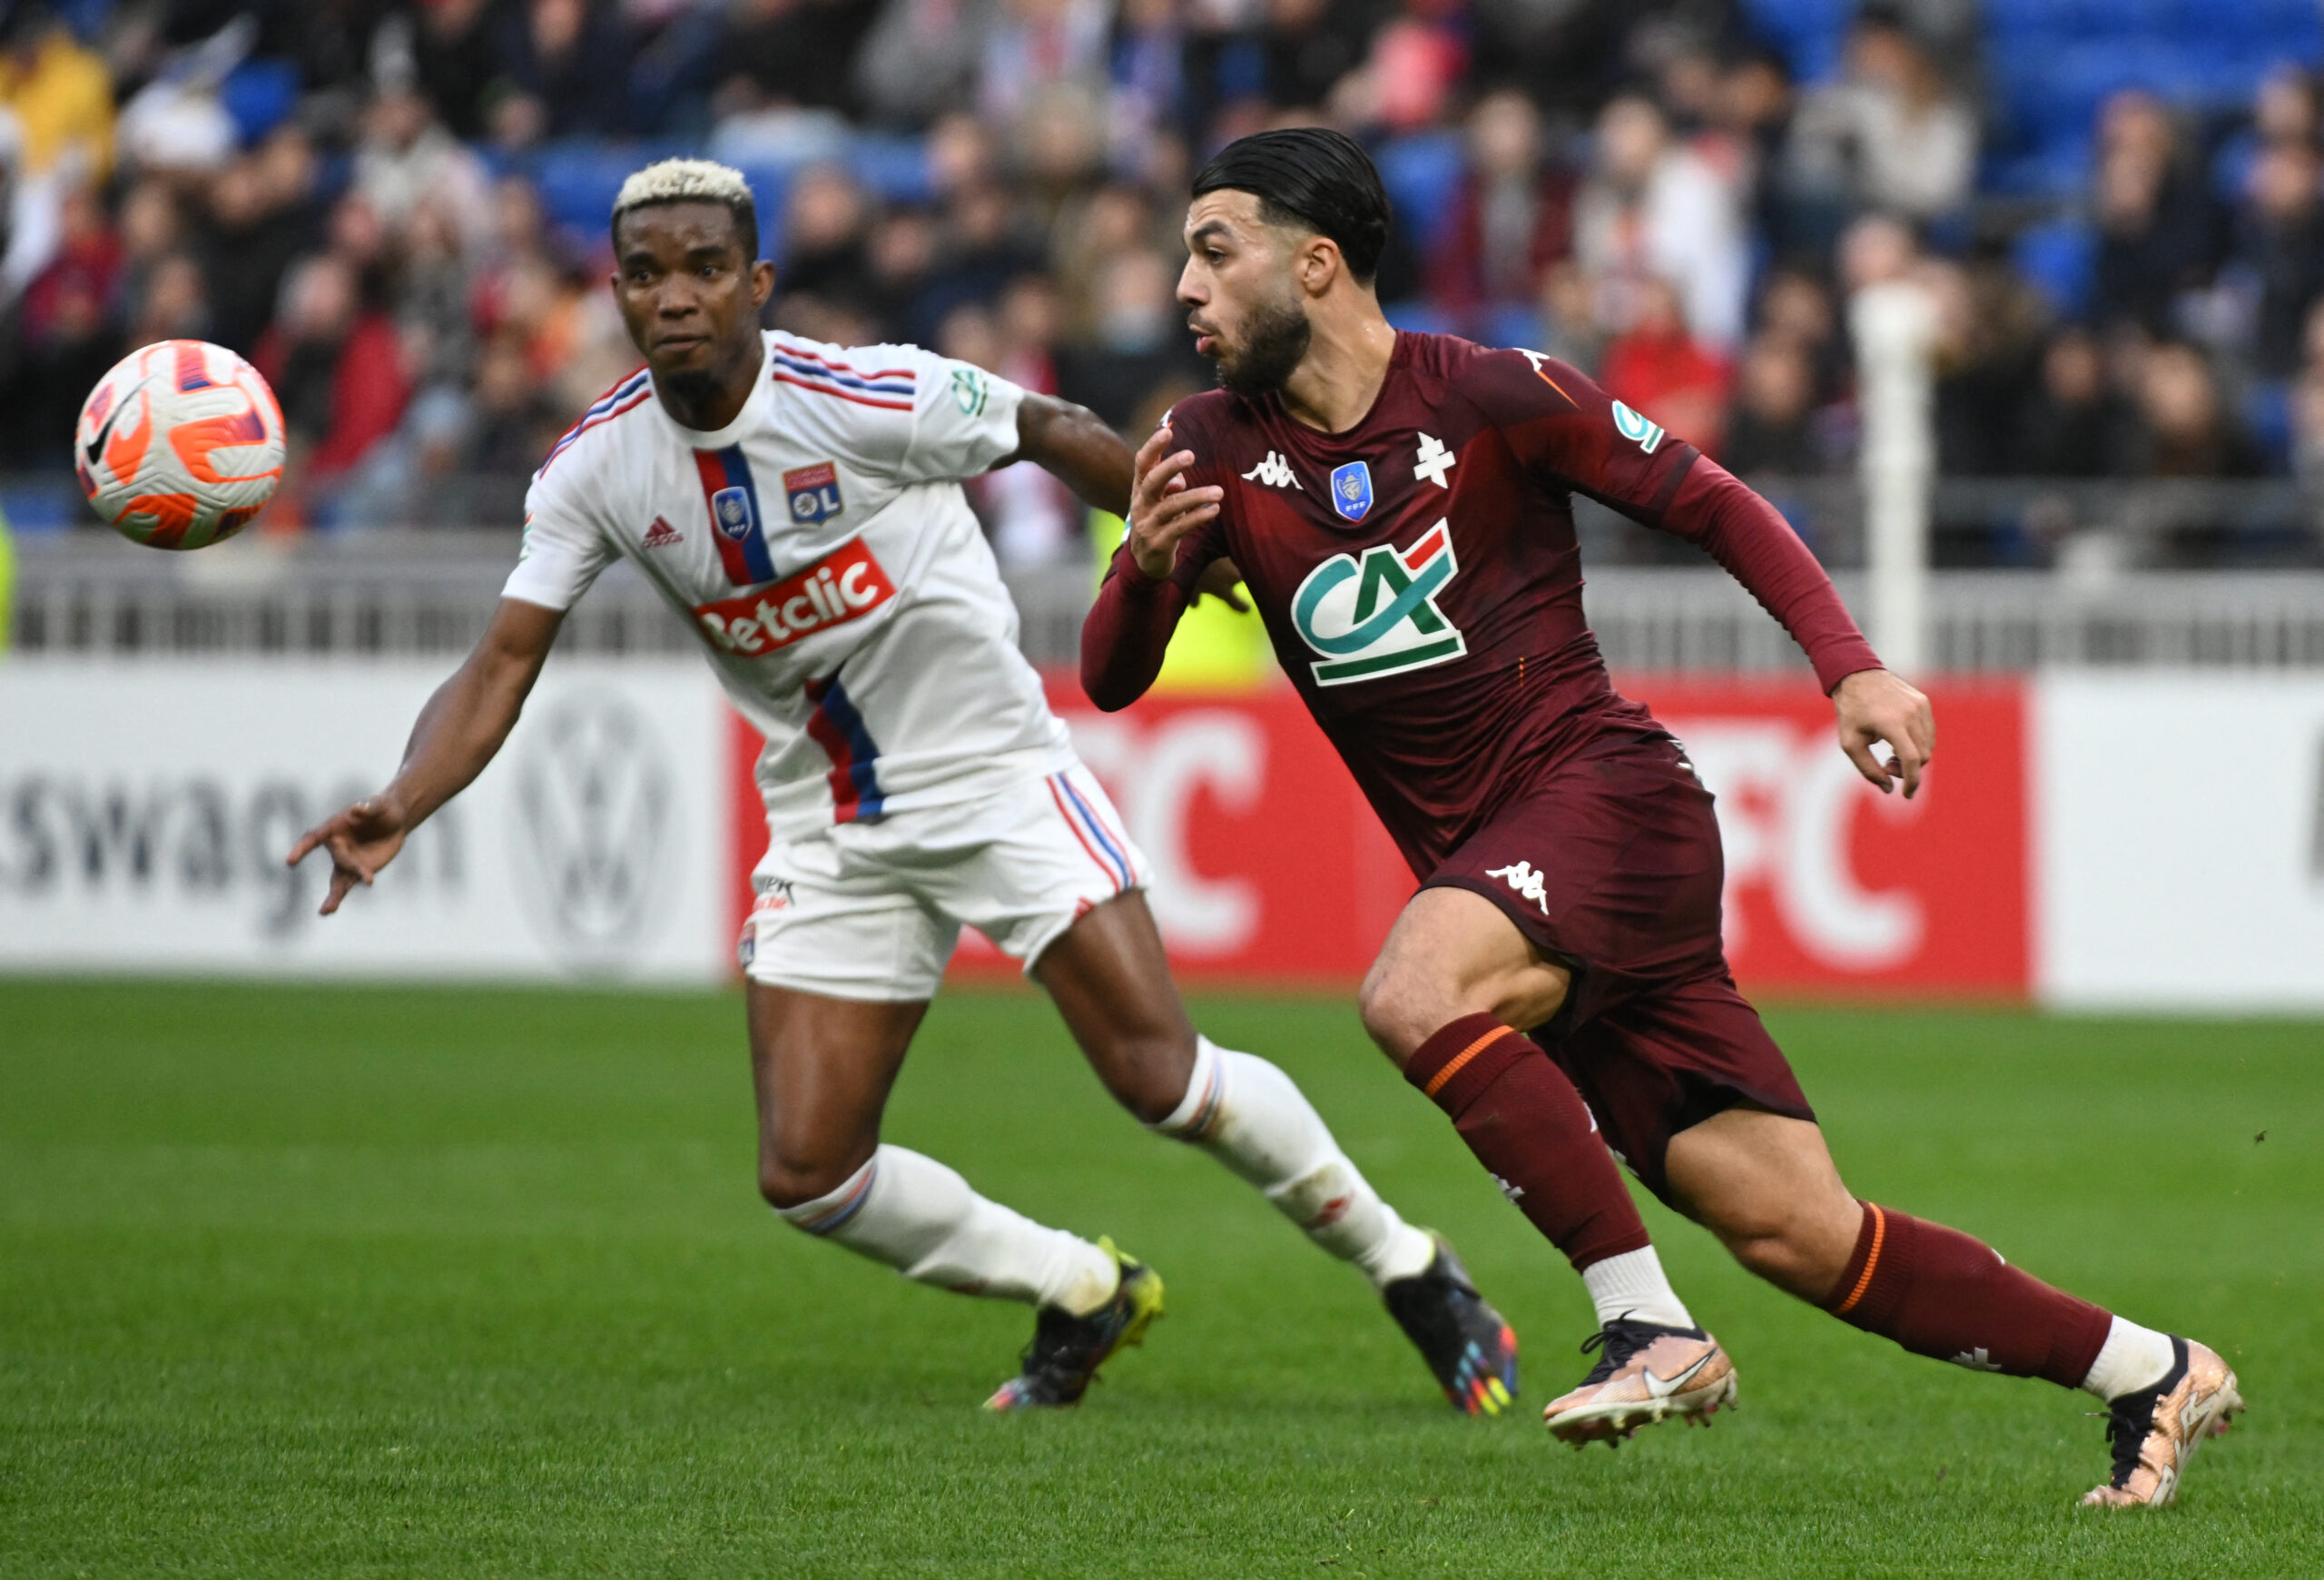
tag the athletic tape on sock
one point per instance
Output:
(1198, 1107)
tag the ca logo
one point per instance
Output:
(1641, 432)
(1378, 616)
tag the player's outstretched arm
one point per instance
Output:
(1075, 446)
(459, 732)
(1127, 631)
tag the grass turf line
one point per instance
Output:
(307, 1281)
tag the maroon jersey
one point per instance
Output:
(1419, 579)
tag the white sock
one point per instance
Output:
(1632, 1285)
(1249, 1114)
(2133, 1357)
(921, 1219)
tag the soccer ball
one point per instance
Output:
(180, 445)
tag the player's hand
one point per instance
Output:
(1162, 511)
(1221, 579)
(362, 839)
(1876, 706)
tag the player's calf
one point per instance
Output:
(921, 1219)
(1254, 1118)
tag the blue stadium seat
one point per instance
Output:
(260, 94)
(1511, 326)
(2057, 258)
(2053, 63)
(894, 168)
(2266, 412)
(1808, 34)
(578, 180)
(1422, 175)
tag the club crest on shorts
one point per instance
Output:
(1351, 490)
(814, 493)
(729, 511)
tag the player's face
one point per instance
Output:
(689, 297)
(1241, 299)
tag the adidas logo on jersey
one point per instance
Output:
(661, 535)
(1274, 473)
(845, 585)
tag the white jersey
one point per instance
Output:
(822, 549)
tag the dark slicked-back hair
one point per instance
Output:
(1305, 175)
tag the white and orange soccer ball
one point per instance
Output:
(180, 445)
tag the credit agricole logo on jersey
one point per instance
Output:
(846, 584)
(1376, 615)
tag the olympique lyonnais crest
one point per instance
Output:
(1378, 615)
(1351, 490)
(814, 492)
(730, 509)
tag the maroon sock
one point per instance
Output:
(1525, 1122)
(1939, 1293)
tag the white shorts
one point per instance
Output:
(873, 910)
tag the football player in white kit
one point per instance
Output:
(800, 505)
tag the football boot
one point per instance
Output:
(1066, 1351)
(1469, 1349)
(1645, 1372)
(2156, 1431)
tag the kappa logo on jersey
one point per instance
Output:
(1378, 616)
(1351, 490)
(1528, 883)
(1641, 432)
(661, 535)
(1273, 472)
(845, 585)
(814, 492)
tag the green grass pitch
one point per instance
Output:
(353, 1281)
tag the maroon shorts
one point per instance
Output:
(1611, 863)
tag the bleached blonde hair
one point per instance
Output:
(692, 181)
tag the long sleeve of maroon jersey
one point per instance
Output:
(1128, 631)
(1751, 538)
(1559, 422)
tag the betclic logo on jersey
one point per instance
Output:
(814, 493)
(845, 585)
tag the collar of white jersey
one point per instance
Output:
(719, 438)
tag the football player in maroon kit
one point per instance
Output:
(1399, 507)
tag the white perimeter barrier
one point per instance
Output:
(145, 810)
(2179, 841)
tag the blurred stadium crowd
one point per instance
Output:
(397, 210)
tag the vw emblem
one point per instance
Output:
(593, 809)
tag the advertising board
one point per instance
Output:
(145, 810)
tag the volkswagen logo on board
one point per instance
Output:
(594, 818)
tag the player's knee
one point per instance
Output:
(791, 1180)
(1779, 1244)
(1148, 1072)
(1400, 1010)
